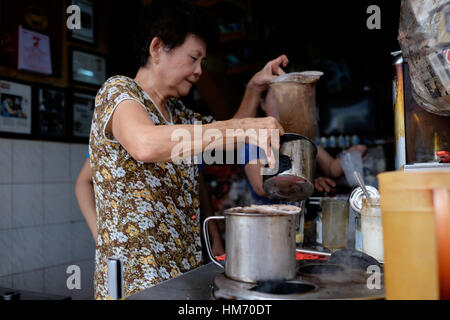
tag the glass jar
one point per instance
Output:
(299, 232)
(335, 215)
(358, 236)
(372, 229)
(319, 228)
(300, 223)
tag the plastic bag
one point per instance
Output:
(424, 36)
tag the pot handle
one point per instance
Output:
(206, 235)
(441, 202)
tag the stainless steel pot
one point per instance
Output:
(259, 242)
(294, 180)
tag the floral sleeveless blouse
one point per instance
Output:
(148, 214)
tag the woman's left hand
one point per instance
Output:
(271, 70)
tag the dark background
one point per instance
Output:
(329, 36)
(312, 34)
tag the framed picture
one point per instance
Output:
(87, 68)
(50, 113)
(87, 31)
(15, 102)
(34, 52)
(83, 104)
(45, 19)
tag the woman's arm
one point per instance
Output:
(132, 126)
(330, 166)
(253, 172)
(84, 191)
(257, 84)
(207, 211)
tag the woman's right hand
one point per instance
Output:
(265, 134)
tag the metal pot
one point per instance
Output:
(260, 242)
(294, 180)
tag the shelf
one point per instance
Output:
(11, 74)
(31, 77)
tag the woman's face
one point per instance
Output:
(180, 68)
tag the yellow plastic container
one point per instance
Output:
(416, 234)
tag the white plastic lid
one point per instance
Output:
(358, 194)
(300, 77)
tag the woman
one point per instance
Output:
(148, 206)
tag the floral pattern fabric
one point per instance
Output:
(147, 213)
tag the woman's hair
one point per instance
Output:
(171, 21)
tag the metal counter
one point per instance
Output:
(192, 285)
(13, 294)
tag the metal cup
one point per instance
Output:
(294, 180)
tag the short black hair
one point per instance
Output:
(171, 21)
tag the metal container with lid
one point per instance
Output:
(260, 242)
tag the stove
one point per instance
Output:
(314, 280)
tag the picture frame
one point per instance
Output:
(45, 17)
(50, 111)
(87, 34)
(82, 110)
(16, 102)
(87, 67)
(34, 52)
